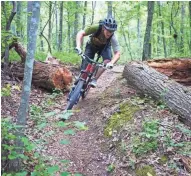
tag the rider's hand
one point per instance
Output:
(78, 50)
(109, 65)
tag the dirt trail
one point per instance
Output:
(84, 150)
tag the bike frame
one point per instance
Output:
(81, 85)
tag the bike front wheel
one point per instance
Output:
(75, 95)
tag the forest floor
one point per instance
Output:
(113, 131)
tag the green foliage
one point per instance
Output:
(147, 140)
(64, 141)
(71, 58)
(6, 91)
(111, 168)
(13, 56)
(145, 171)
(163, 159)
(118, 119)
(40, 56)
(9, 152)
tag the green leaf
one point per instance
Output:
(65, 115)
(65, 174)
(42, 125)
(77, 174)
(49, 114)
(11, 157)
(52, 169)
(21, 173)
(80, 125)
(69, 132)
(50, 133)
(62, 124)
(64, 141)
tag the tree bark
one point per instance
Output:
(45, 75)
(147, 44)
(109, 9)
(159, 86)
(162, 29)
(60, 26)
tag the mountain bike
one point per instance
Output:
(81, 86)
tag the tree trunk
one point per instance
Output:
(60, 26)
(47, 76)
(190, 23)
(182, 27)
(93, 10)
(162, 29)
(18, 20)
(147, 44)
(50, 20)
(149, 81)
(76, 24)
(109, 9)
(33, 20)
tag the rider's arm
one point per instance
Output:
(116, 49)
(115, 57)
(79, 38)
(87, 31)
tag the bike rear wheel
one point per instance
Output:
(75, 95)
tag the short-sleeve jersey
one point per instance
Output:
(100, 40)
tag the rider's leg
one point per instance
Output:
(106, 55)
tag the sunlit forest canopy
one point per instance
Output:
(61, 20)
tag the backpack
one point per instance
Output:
(97, 33)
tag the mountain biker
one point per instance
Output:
(102, 37)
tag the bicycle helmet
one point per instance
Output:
(110, 24)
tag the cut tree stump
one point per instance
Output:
(48, 76)
(159, 86)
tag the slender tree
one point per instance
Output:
(56, 24)
(139, 30)
(60, 26)
(18, 20)
(76, 24)
(41, 40)
(190, 24)
(93, 9)
(84, 17)
(182, 28)
(162, 29)
(147, 44)
(109, 10)
(49, 23)
(7, 28)
(33, 21)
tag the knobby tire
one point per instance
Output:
(75, 96)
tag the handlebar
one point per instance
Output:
(89, 59)
(100, 64)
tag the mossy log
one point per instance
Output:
(159, 86)
(48, 76)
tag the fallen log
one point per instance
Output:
(48, 76)
(148, 81)
(177, 69)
